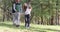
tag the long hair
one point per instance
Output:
(25, 7)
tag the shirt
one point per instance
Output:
(28, 11)
(18, 7)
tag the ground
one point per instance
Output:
(8, 27)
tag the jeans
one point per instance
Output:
(27, 20)
(16, 18)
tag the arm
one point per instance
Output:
(14, 7)
(30, 8)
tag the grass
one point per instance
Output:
(8, 27)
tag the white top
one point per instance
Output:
(28, 11)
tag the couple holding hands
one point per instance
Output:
(17, 8)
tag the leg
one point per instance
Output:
(18, 19)
(28, 20)
(13, 18)
(25, 20)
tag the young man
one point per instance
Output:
(18, 9)
(27, 8)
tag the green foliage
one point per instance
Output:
(45, 8)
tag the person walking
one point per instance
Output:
(18, 9)
(27, 8)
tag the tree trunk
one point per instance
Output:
(38, 21)
(52, 18)
(3, 17)
(41, 20)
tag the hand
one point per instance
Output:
(30, 14)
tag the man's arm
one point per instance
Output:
(14, 7)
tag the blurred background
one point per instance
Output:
(46, 12)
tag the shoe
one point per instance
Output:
(17, 25)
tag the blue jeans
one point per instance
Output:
(27, 20)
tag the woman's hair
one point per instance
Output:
(24, 7)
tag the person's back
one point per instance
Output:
(28, 10)
(27, 15)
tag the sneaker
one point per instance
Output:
(17, 25)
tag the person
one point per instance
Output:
(18, 9)
(27, 8)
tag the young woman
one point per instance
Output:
(27, 8)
